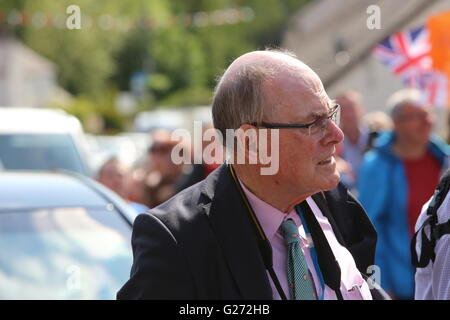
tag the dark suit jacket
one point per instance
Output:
(201, 244)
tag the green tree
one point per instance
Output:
(182, 60)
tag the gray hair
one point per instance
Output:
(401, 98)
(240, 99)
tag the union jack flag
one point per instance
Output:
(407, 54)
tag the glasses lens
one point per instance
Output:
(336, 117)
(319, 128)
(161, 149)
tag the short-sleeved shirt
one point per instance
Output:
(433, 281)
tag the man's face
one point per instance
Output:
(307, 163)
(160, 153)
(414, 123)
(113, 176)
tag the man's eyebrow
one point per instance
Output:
(322, 114)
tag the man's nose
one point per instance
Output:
(334, 133)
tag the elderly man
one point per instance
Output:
(240, 234)
(395, 180)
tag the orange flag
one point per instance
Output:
(439, 28)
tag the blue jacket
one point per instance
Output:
(382, 190)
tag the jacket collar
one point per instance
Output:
(236, 234)
(351, 225)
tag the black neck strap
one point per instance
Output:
(263, 243)
(327, 262)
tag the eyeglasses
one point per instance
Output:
(317, 128)
(160, 148)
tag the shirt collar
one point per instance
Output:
(268, 216)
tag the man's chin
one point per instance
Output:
(331, 182)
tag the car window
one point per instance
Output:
(39, 152)
(65, 253)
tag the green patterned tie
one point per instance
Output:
(299, 279)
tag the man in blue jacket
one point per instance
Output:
(395, 180)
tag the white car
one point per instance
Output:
(62, 236)
(128, 147)
(41, 139)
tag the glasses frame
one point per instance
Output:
(308, 126)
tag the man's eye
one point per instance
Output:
(320, 123)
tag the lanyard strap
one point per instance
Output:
(312, 250)
(329, 266)
(264, 244)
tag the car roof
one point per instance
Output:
(37, 120)
(35, 189)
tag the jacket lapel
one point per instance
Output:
(236, 236)
(353, 225)
(323, 206)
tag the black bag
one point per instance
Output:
(427, 253)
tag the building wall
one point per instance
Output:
(26, 79)
(313, 32)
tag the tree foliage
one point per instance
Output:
(182, 60)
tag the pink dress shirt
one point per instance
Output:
(271, 218)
